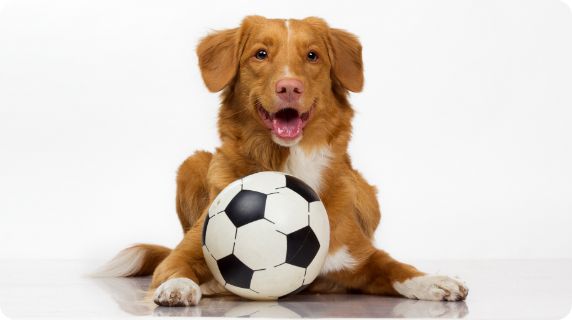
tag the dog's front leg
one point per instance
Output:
(389, 276)
(356, 264)
(176, 280)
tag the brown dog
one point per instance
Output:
(284, 108)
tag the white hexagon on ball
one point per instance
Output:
(291, 278)
(259, 245)
(265, 182)
(219, 237)
(319, 222)
(287, 210)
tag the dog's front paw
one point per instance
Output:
(177, 292)
(432, 287)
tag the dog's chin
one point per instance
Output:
(286, 142)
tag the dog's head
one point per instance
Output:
(284, 77)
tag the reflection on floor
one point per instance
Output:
(130, 295)
(498, 290)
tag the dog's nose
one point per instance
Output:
(289, 90)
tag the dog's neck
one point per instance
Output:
(249, 148)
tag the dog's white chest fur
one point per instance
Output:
(308, 166)
(338, 261)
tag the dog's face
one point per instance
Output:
(285, 74)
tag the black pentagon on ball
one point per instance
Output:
(301, 188)
(235, 271)
(205, 225)
(301, 247)
(247, 206)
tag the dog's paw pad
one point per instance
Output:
(433, 287)
(178, 292)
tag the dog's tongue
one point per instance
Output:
(287, 129)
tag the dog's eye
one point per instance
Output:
(261, 54)
(312, 56)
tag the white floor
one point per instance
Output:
(511, 289)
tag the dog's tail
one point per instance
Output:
(135, 261)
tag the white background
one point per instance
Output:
(464, 123)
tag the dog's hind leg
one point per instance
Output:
(192, 188)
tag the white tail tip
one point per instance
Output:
(126, 263)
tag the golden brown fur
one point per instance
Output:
(226, 62)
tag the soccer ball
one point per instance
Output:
(266, 236)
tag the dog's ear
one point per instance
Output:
(347, 64)
(218, 58)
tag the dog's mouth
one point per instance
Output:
(287, 123)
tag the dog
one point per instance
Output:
(284, 107)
